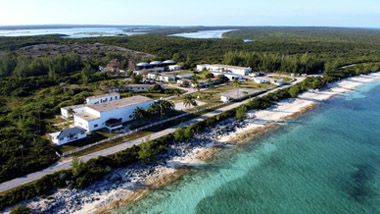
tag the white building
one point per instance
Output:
(103, 98)
(185, 76)
(141, 72)
(76, 109)
(261, 80)
(68, 135)
(183, 82)
(230, 76)
(152, 76)
(217, 67)
(225, 99)
(169, 62)
(167, 77)
(174, 67)
(139, 87)
(203, 83)
(110, 114)
(156, 64)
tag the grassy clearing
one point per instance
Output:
(212, 97)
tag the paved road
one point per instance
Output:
(66, 163)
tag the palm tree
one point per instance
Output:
(177, 92)
(71, 112)
(153, 109)
(237, 84)
(138, 113)
(189, 101)
(165, 105)
(194, 80)
(198, 87)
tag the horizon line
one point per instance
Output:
(216, 26)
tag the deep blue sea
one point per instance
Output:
(327, 161)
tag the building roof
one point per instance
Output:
(143, 64)
(103, 95)
(184, 75)
(230, 66)
(225, 66)
(72, 131)
(87, 116)
(73, 107)
(108, 106)
(225, 74)
(170, 62)
(139, 85)
(156, 63)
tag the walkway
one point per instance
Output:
(66, 164)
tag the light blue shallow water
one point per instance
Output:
(204, 34)
(327, 161)
(75, 32)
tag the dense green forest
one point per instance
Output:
(31, 93)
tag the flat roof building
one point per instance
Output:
(217, 67)
(97, 116)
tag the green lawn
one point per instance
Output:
(284, 79)
(212, 97)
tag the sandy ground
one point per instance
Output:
(180, 107)
(292, 107)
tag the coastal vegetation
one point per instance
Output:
(33, 88)
(84, 174)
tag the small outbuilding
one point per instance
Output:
(68, 135)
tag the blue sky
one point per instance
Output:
(345, 13)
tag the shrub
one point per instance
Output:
(20, 209)
(240, 112)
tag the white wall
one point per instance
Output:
(224, 99)
(126, 114)
(65, 113)
(103, 99)
(65, 140)
(173, 67)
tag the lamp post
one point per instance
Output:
(21, 147)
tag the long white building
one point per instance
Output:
(89, 101)
(103, 98)
(110, 115)
(217, 67)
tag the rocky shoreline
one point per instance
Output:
(122, 183)
(130, 183)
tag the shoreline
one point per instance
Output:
(294, 107)
(127, 185)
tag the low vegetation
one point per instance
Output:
(33, 88)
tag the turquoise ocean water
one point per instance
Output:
(327, 161)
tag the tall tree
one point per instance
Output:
(138, 114)
(189, 100)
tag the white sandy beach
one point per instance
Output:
(287, 108)
(122, 184)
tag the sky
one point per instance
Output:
(341, 13)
